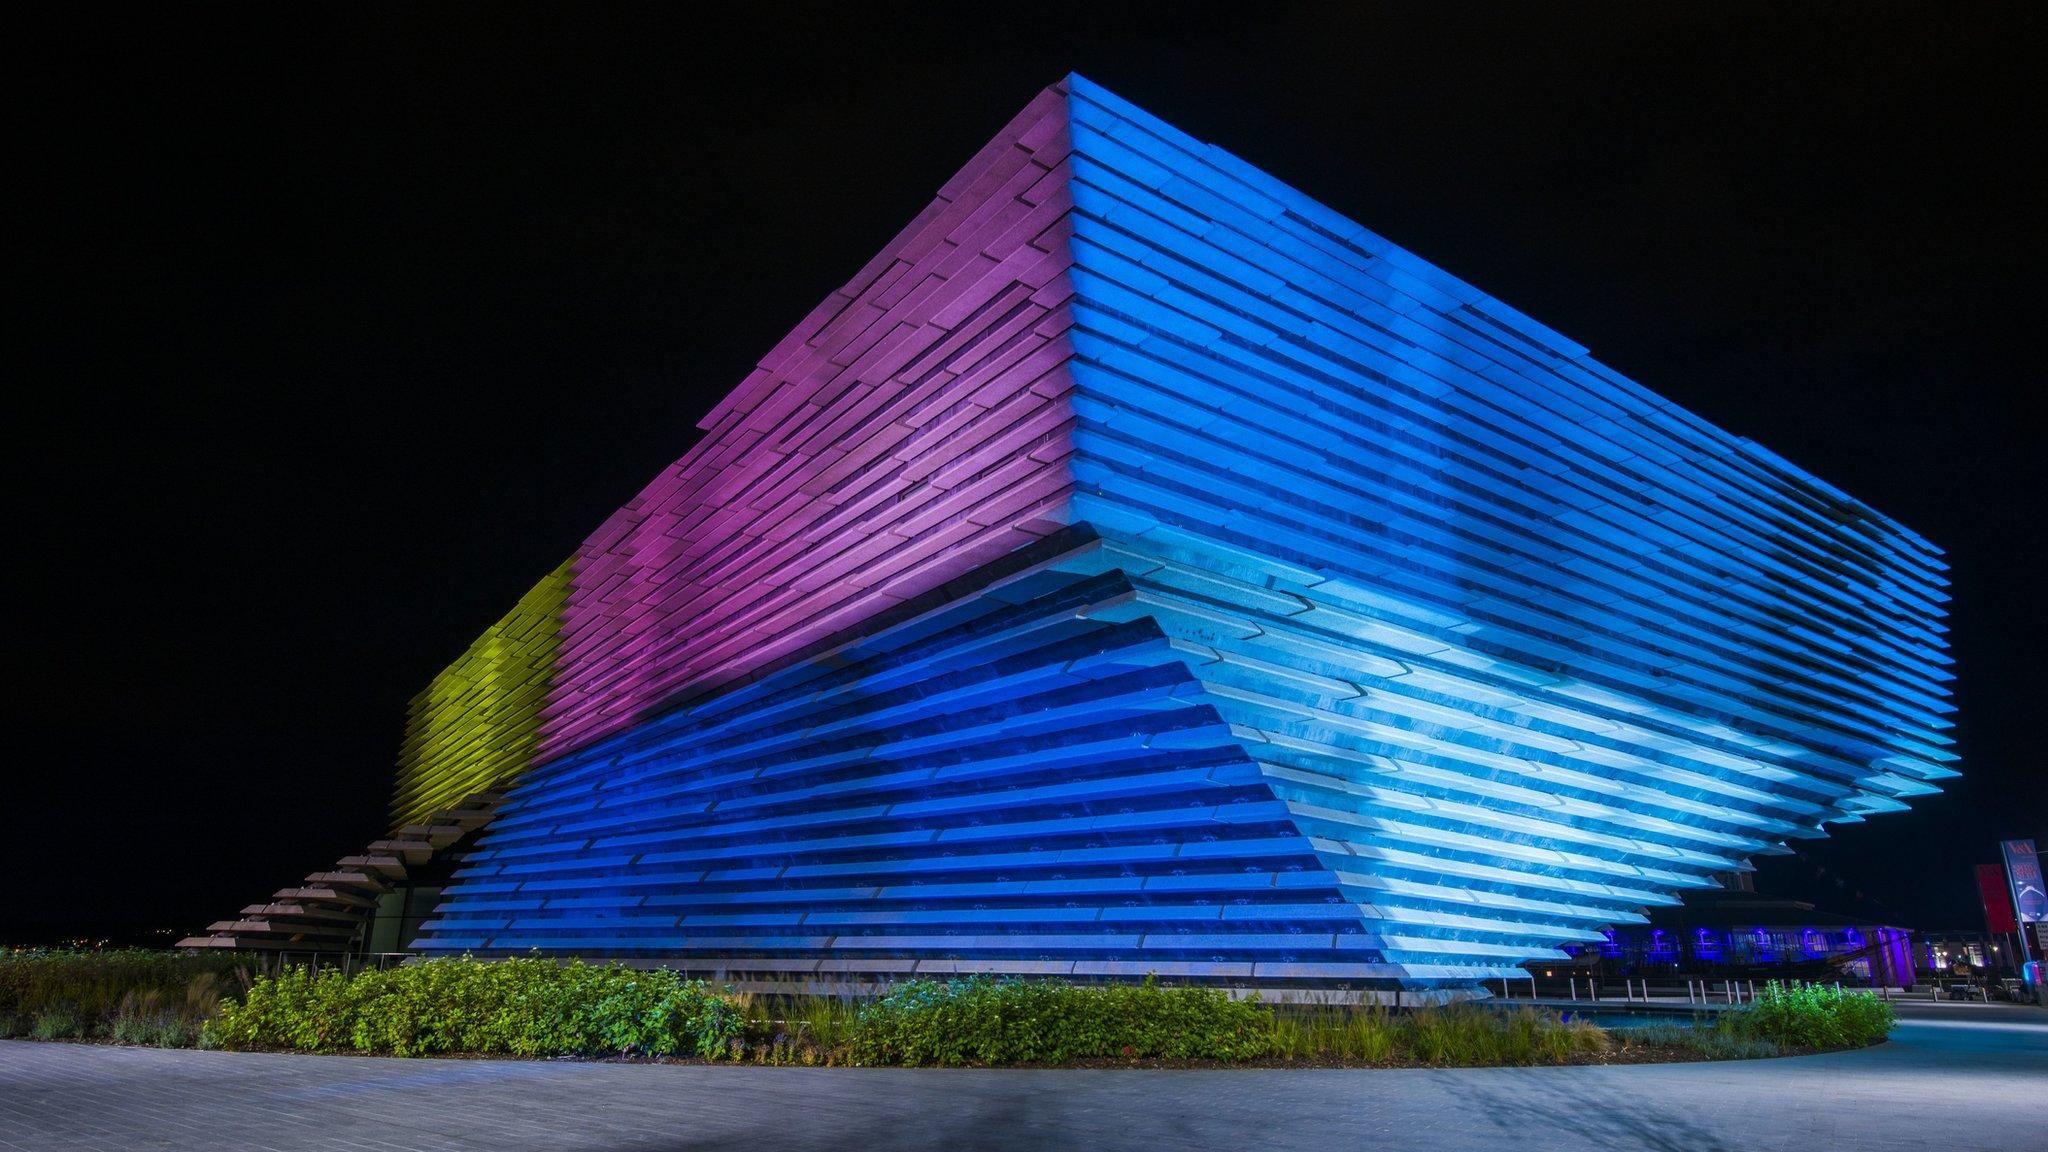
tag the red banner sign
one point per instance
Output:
(1997, 898)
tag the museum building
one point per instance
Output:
(1141, 568)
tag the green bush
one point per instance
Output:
(1467, 1036)
(1458, 1034)
(795, 1027)
(1702, 1037)
(134, 1030)
(525, 1007)
(133, 995)
(144, 1022)
(1813, 1016)
(60, 1024)
(980, 1020)
(93, 984)
(666, 1018)
(536, 1007)
(1369, 1034)
(178, 1032)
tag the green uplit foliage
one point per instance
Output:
(1368, 1035)
(93, 984)
(536, 1007)
(149, 1017)
(667, 1018)
(132, 995)
(529, 1007)
(160, 1030)
(1458, 1034)
(987, 1021)
(1813, 1016)
(1701, 1038)
(60, 1024)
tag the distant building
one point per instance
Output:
(1939, 955)
(1742, 933)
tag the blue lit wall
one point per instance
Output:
(1391, 640)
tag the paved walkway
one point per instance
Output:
(1955, 1077)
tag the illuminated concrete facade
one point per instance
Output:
(1140, 567)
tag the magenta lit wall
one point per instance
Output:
(912, 428)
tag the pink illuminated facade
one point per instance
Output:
(913, 428)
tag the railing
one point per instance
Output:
(1695, 991)
(349, 963)
(1633, 990)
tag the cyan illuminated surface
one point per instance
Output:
(1279, 608)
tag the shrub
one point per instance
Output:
(134, 1030)
(982, 1020)
(665, 1018)
(1470, 1034)
(133, 995)
(1370, 1034)
(1813, 1016)
(1463, 1034)
(93, 984)
(1708, 1040)
(525, 1007)
(178, 1032)
(536, 1007)
(794, 1027)
(60, 1024)
(149, 1018)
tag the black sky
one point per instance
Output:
(328, 333)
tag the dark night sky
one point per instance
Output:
(329, 337)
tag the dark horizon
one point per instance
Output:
(344, 331)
